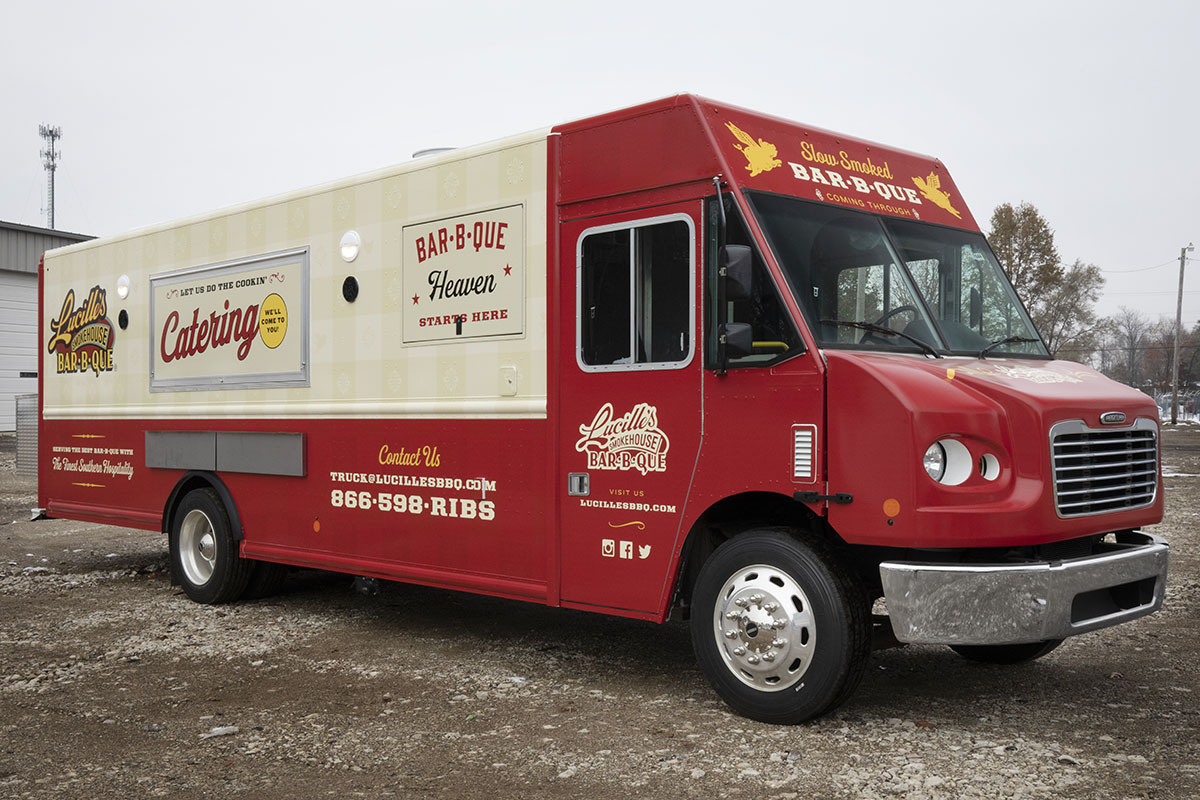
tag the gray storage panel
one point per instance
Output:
(181, 449)
(261, 453)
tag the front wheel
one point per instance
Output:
(1005, 653)
(780, 628)
(204, 554)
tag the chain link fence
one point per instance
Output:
(1189, 405)
(27, 430)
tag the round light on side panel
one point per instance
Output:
(351, 243)
(123, 287)
(958, 462)
(948, 461)
(989, 467)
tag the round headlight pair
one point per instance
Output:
(949, 462)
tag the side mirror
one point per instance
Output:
(738, 338)
(733, 263)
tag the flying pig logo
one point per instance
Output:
(760, 155)
(632, 441)
(931, 189)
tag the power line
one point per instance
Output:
(1120, 349)
(1189, 291)
(1142, 269)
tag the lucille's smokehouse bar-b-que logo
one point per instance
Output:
(631, 441)
(82, 338)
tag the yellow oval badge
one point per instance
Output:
(272, 320)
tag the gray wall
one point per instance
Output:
(18, 342)
(21, 247)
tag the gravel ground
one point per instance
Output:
(113, 683)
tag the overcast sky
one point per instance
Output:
(1088, 110)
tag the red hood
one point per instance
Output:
(885, 410)
(1055, 390)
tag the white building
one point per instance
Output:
(21, 247)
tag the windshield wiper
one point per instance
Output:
(1005, 340)
(873, 328)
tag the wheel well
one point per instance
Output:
(201, 480)
(735, 515)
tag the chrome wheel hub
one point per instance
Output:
(197, 547)
(764, 628)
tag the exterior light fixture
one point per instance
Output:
(351, 242)
(123, 287)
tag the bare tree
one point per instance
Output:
(1130, 328)
(1065, 315)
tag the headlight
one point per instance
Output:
(935, 461)
(948, 461)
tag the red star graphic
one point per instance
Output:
(415, 299)
(507, 270)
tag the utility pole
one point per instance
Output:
(50, 162)
(1183, 251)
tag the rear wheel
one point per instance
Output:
(204, 554)
(265, 579)
(780, 628)
(1005, 653)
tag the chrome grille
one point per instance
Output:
(1098, 471)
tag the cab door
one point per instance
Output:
(629, 408)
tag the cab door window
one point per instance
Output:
(773, 331)
(635, 308)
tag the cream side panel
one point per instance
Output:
(360, 365)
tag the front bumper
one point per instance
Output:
(1029, 602)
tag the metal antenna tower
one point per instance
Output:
(50, 162)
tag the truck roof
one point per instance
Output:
(688, 138)
(413, 165)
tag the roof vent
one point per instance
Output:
(432, 151)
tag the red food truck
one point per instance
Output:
(682, 357)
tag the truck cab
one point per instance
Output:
(876, 415)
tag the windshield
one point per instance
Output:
(857, 291)
(966, 289)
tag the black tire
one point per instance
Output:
(204, 554)
(798, 641)
(265, 579)
(1005, 654)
